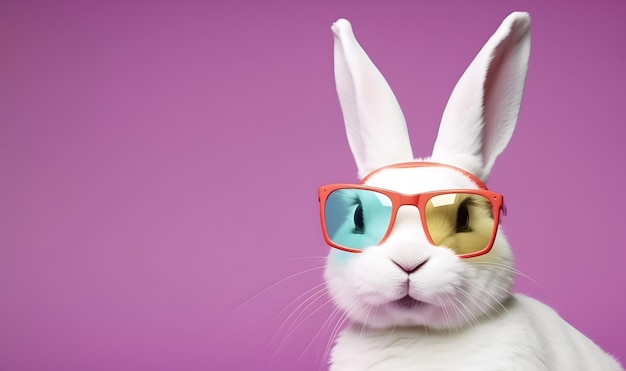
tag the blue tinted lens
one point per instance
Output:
(357, 218)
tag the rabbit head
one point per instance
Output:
(406, 280)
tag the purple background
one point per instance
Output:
(160, 160)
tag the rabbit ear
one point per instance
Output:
(482, 111)
(374, 122)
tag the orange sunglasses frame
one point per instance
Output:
(419, 200)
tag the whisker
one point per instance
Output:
(506, 290)
(343, 317)
(475, 300)
(316, 287)
(288, 334)
(339, 325)
(308, 302)
(468, 311)
(336, 316)
(293, 328)
(317, 334)
(459, 311)
(322, 258)
(446, 314)
(393, 329)
(455, 310)
(369, 309)
(512, 270)
(276, 284)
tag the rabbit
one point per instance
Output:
(413, 304)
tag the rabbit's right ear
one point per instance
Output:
(374, 122)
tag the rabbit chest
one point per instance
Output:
(528, 336)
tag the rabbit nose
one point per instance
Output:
(410, 268)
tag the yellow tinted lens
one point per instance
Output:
(462, 222)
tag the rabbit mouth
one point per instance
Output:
(407, 302)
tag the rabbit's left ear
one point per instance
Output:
(482, 111)
(374, 122)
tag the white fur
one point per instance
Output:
(464, 316)
(375, 124)
(528, 337)
(480, 116)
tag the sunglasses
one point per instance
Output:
(357, 216)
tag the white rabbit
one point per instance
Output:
(417, 306)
